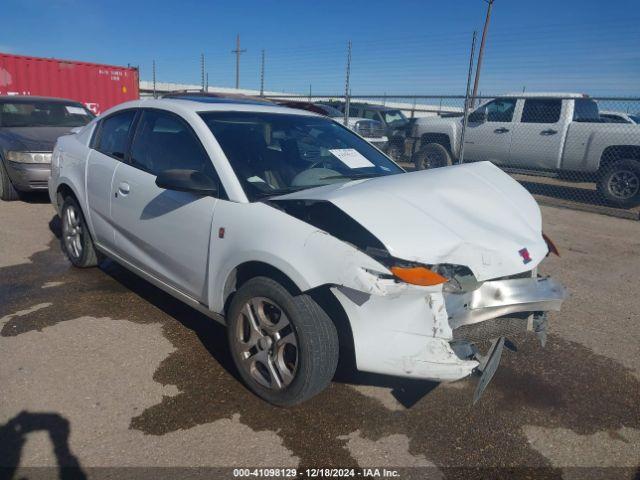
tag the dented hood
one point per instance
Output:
(473, 214)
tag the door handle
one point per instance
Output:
(124, 189)
(550, 131)
(501, 130)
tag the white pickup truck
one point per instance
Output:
(550, 133)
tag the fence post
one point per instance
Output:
(202, 71)
(347, 88)
(154, 79)
(467, 100)
(262, 75)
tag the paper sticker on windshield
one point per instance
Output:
(76, 110)
(351, 157)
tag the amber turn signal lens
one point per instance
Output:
(418, 276)
(550, 245)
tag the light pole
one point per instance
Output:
(481, 52)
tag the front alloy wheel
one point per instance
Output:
(284, 345)
(267, 343)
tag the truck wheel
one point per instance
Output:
(432, 155)
(76, 239)
(7, 191)
(619, 183)
(285, 347)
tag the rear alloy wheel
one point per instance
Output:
(619, 184)
(432, 155)
(285, 347)
(76, 239)
(7, 191)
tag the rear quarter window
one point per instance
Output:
(113, 132)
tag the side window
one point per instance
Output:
(500, 110)
(163, 141)
(371, 115)
(113, 134)
(541, 110)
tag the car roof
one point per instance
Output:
(27, 98)
(209, 104)
(543, 95)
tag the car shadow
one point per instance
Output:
(13, 436)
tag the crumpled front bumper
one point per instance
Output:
(499, 298)
(417, 331)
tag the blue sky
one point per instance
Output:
(418, 47)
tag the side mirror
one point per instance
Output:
(192, 181)
(478, 116)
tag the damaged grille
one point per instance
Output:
(490, 329)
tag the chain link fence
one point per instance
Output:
(567, 149)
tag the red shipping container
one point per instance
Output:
(99, 87)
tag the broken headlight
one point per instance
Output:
(460, 278)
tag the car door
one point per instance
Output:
(166, 233)
(489, 131)
(539, 135)
(108, 149)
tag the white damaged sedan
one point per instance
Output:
(306, 241)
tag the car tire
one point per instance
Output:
(76, 239)
(619, 183)
(431, 155)
(284, 346)
(8, 192)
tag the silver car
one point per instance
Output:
(29, 128)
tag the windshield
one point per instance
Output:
(43, 114)
(395, 118)
(635, 118)
(274, 154)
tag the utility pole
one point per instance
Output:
(347, 88)
(202, 71)
(481, 52)
(238, 52)
(154, 79)
(262, 75)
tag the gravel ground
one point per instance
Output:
(100, 369)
